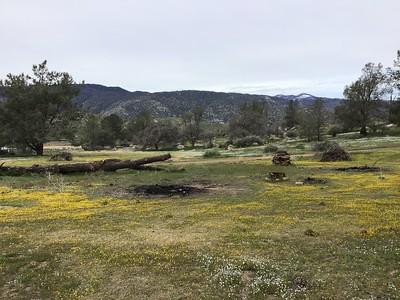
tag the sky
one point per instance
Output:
(251, 46)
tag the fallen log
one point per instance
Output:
(101, 165)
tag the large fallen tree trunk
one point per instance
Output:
(101, 165)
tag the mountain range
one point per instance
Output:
(219, 106)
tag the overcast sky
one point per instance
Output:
(255, 46)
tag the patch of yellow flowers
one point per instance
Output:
(364, 200)
(31, 205)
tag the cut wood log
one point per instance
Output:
(101, 165)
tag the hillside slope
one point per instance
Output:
(219, 106)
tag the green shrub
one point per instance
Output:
(291, 134)
(300, 146)
(323, 146)
(334, 130)
(211, 153)
(270, 148)
(248, 141)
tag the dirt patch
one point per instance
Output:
(167, 190)
(359, 169)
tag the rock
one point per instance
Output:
(281, 158)
(61, 156)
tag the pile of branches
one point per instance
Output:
(281, 158)
(335, 153)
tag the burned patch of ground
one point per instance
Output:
(359, 169)
(313, 180)
(166, 190)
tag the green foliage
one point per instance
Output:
(291, 134)
(161, 134)
(323, 146)
(394, 112)
(312, 121)
(361, 105)
(250, 120)
(248, 141)
(192, 129)
(334, 130)
(208, 135)
(292, 114)
(211, 153)
(36, 107)
(270, 148)
(113, 124)
(97, 133)
(136, 127)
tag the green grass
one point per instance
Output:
(87, 236)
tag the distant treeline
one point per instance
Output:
(38, 108)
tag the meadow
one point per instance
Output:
(88, 236)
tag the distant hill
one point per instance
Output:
(219, 107)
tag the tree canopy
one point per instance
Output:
(250, 120)
(362, 97)
(37, 106)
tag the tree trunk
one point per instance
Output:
(363, 130)
(39, 149)
(101, 165)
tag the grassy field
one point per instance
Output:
(88, 236)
